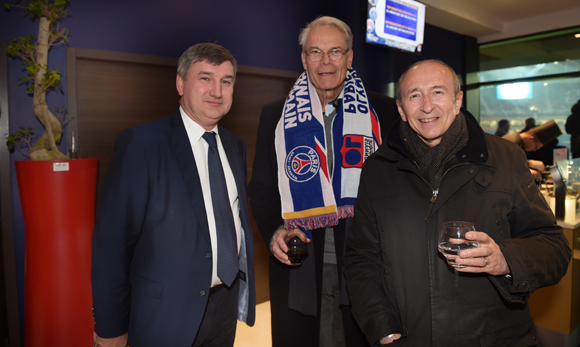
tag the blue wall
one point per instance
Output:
(260, 33)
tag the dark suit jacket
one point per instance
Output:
(266, 209)
(151, 270)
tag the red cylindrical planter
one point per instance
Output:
(58, 204)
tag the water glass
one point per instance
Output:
(452, 240)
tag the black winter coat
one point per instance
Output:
(573, 128)
(397, 280)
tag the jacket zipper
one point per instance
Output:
(435, 191)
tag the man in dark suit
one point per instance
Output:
(309, 305)
(172, 260)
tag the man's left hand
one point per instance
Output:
(487, 258)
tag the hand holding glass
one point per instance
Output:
(297, 250)
(452, 240)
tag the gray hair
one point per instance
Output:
(326, 21)
(210, 53)
(436, 61)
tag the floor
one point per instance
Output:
(259, 334)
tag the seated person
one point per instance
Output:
(533, 140)
(503, 127)
(530, 123)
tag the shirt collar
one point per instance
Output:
(194, 130)
(333, 104)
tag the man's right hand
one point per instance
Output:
(119, 341)
(278, 243)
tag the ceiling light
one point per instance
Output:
(577, 36)
(545, 84)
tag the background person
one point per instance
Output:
(503, 127)
(172, 246)
(306, 300)
(573, 128)
(534, 139)
(438, 165)
(529, 123)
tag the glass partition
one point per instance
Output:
(535, 77)
(565, 188)
(570, 171)
(542, 100)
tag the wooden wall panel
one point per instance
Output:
(251, 92)
(113, 96)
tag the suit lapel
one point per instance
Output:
(186, 161)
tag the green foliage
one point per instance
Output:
(20, 139)
(26, 47)
(33, 51)
(52, 10)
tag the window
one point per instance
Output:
(533, 77)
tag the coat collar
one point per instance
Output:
(475, 151)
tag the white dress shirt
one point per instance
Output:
(199, 147)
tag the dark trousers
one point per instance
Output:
(291, 328)
(218, 327)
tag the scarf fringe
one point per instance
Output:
(313, 222)
(320, 221)
(345, 211)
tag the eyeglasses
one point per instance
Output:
(334, 55)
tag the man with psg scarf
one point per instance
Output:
(309, 303)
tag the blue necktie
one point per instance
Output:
(227, 265)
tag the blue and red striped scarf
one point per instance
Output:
(310, 198)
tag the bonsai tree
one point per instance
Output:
(41, 79)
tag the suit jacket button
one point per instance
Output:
(202, 292)
(208, 255)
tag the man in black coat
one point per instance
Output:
(309, 305)
(438, 165)
(573, 128)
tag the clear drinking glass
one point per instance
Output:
(452, 240)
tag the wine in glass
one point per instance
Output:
(452, 240)
(297, 250)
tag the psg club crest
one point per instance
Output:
(302, 163)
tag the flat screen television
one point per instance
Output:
(396, 23)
